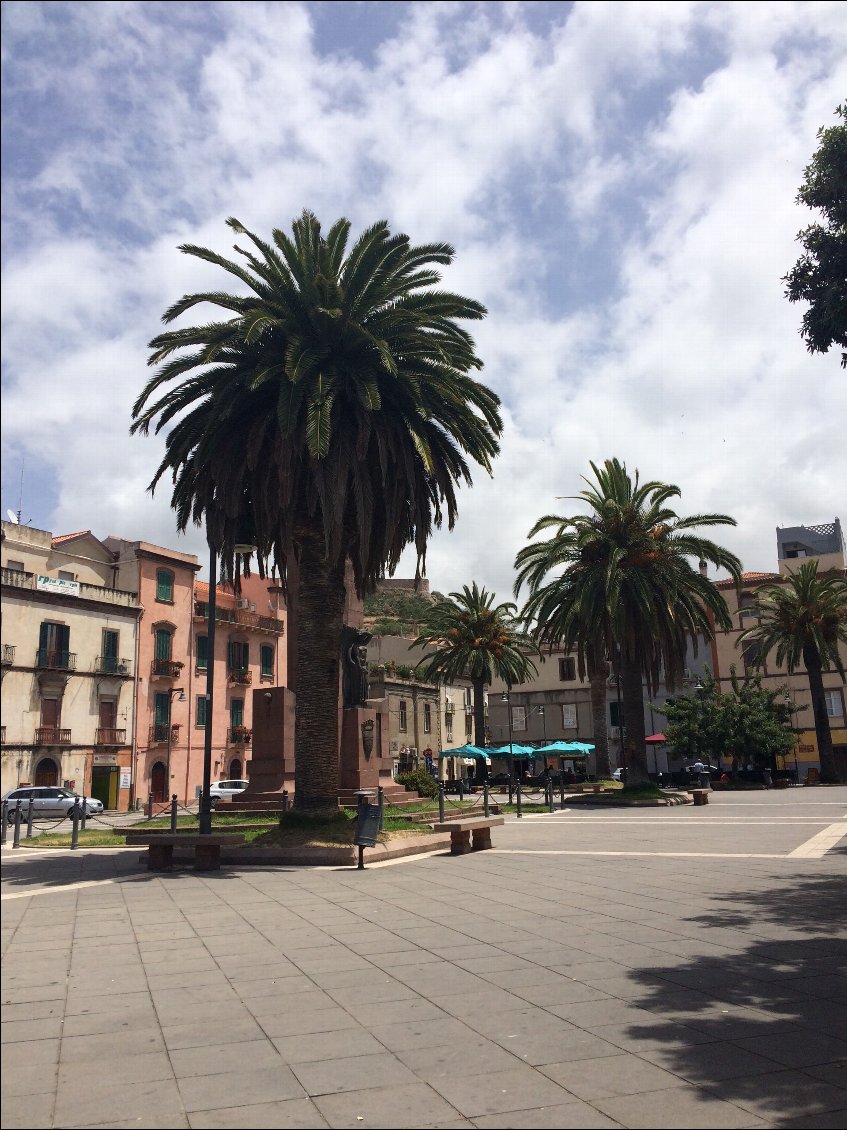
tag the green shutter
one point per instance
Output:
(200, 710)
(267, 659)
(236, 712)
(163, 709)
(163, 643)
(203, 652)
(164, 585)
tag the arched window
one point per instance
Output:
(165, 585)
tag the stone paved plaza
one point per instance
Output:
(673, 967)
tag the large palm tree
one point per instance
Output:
(804, 617)
(617, 583)
(333, 408)
(475, 638)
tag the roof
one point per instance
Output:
(70, 537)
(748, 579)
(201, 591)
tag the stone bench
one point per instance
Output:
(461, 831)
(160, 847)
(701, 796)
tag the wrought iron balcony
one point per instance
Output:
(8, 654)
(241, 676)
(111, 665)
(47, 659)
(108, 735)
(52, 735)
(239, 735)
(166, 668)
(159, 732)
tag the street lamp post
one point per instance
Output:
(171, 693)
(506, 697)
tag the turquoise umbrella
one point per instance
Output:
(564, 748)
(466, 751)
(515, 749)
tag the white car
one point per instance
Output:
(226, 790)
(617, 775)
(49, 801)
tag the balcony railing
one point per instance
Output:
(46, 658)
(243, 677)
(159, 732)
(111, 665)
(239, 735)
(241, 616)
(8, 654)
(108, 735)
(166, 668)
(51, 735)
(20, 579)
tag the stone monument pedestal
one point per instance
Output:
(272, 756)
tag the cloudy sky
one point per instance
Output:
(618, 179)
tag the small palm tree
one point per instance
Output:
(333, 408)
(804, 618)
(617, 583)
(475, 638)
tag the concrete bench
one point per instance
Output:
(701, 796)
(461, 831)
(160, 847)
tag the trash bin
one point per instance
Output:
(704, 781)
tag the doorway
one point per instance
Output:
(158, 783)
(47, 772)
(104, 784)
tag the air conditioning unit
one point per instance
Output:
(468, 708)
(242, 604)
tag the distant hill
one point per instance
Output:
(397, 611)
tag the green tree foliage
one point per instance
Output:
(748, 724)
(803, 619)
(475, 638)
(332, 409)
(819, 276)
(617, 583)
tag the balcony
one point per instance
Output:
(19, 579)
(52, 735)
(239, 735)
(166, 669)
(241, 616)
(159, 732)
(48, 660)
(111, 665)
(8, 654)
(243, 678)
(108, 735)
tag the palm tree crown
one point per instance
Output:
(334, 410)
(804, 619)
(478, 640)
(617, 583)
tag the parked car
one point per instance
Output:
(617, 775)
(51, 801)
(226, 790)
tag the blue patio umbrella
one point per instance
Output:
(515, 749)
(468, 750)
(562, 749)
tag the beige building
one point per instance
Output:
(796, 544)
(69, 641)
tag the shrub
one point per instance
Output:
(421, 780)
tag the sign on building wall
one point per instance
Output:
(105, 759)
(57, 586)
(569, 716)
(126, 778)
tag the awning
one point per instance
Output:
(656, 738)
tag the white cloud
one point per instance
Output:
(619, 183)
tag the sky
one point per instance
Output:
(619, 182)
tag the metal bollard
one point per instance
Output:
(485, 808)
(149, 806)
(285, 800)
(511, 789)
(16, 838)
(380, 792)
(82, 813)
(75, 825)
(549, 794)
(173, 812)
(4, 822)
(518, 798)
(29, 818)
(562, 790)
(441, 801)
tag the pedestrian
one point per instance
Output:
(428, 760)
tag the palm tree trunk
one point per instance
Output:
(479, 725)
(633, 716)
(829, 770)
(320, 619)
(597, 685)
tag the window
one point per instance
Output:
(162, 704)
(236, 713)
(427, 718)
(53, 645)
(202, 653)
(449, 728)
(750, 652)
(266, 657)
(747, 604)
(238, 655)
(109, 661)
(165, 585)
(518, 717)
(834, 704)
(567, 669)
(200, 705)
(615, 714)
(66, 575)
(403, 719)
(15, 566)
(569, 716)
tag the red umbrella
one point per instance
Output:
(656, 738)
